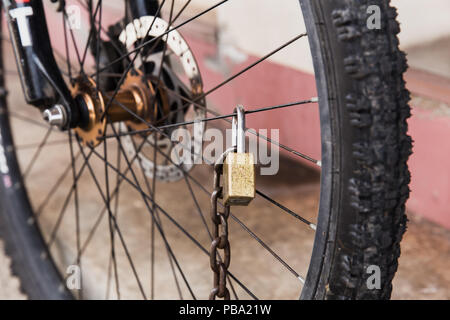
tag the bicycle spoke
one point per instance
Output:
(252, 234)
(220, 85)
(137, 133)
(292, 213)
(124, 246)
(62, 212)
(145, 198)
(130, 65)
(152, 190)
(27, 119)
(55, 187)
(219, 117)
(110, 223)
(177, 225)
(107, 34)
(34, 145)
(91, 36)
(77, 208)
(74, 43)
(114, 194)
(265, 246)
(225, 118)
(139, 47)
(116, 214)
(36, 155)
(249, 130)
(67, 50)
(202, 217)
(152, 241)
(94, 34)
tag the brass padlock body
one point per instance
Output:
(239, 179)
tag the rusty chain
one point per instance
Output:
(220, 240)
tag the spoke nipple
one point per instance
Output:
(319, 163)
(315, 99)
(301, 279)
(313, 226)
(56, 116)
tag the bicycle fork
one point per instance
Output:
(42, 83)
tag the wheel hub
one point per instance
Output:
(138, 105)
(135, 101)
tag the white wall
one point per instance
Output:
(258, 26)
(423, 20)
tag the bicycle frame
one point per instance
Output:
(42, 83)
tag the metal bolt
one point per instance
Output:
(56, 116)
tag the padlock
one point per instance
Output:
(239, 167)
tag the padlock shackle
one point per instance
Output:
(238, 129)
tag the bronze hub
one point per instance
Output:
(131, 105)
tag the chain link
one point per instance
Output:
(220, 240)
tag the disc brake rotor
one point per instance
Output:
(178, 49)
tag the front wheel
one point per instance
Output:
(130, 234)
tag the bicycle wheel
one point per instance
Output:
(118, 232)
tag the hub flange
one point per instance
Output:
(132, 104)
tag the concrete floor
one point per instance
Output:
(423, 267)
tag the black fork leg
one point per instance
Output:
(139, 8)
(42, 82)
